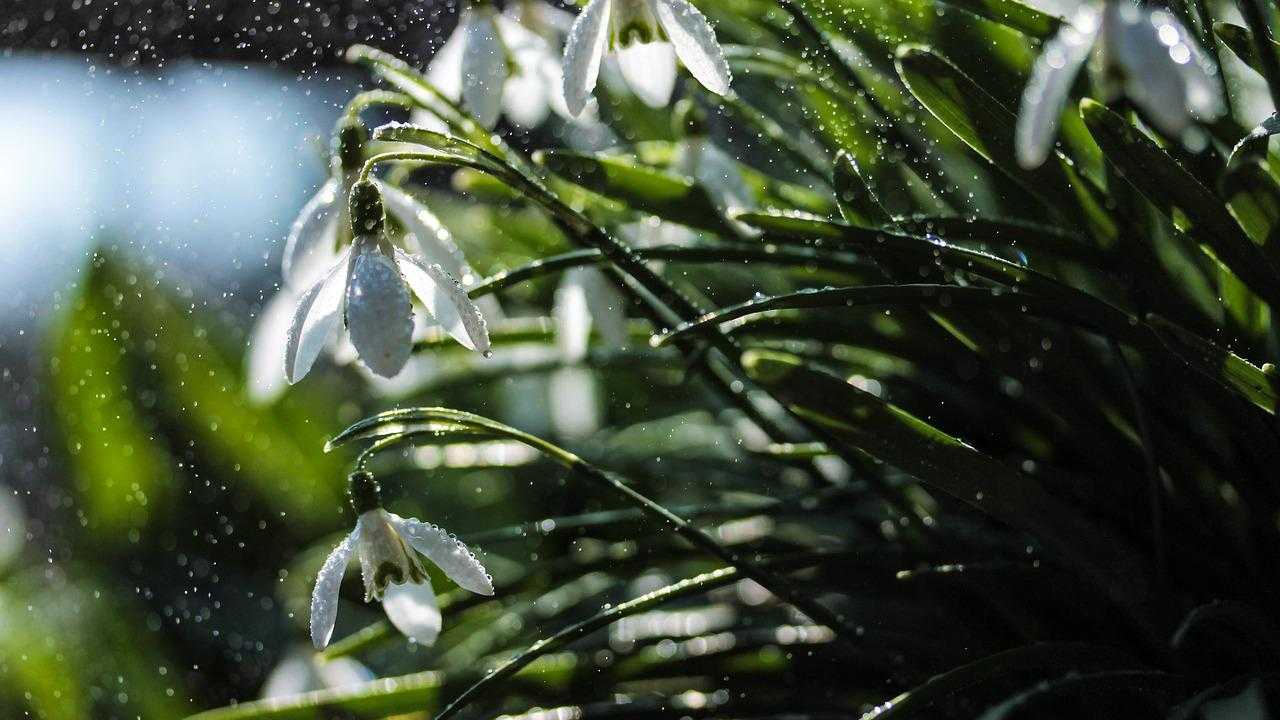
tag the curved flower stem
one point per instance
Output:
(376, 98)
(666, 306)
(674, 253)
(691, 586)
(695, 535)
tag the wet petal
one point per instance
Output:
(315, 320)
(526, 100)
(446, 301)
(484, 68)
(649, 69)
(446, 551)
(412, 608)
(583, 51)
(445, 69)
(324, 598)
(573, 319)
(379, 313)
(1165, 72)
(264, 361)
(527, 97)
(431, 239)
(1046, 93)
(312, 237)
(695, 43)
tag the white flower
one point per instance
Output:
(390, 550)
(646, 36)
(1142, 53)
(369, 287)
(506, 62)
(304, 671)
(585, 297)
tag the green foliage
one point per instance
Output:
(917, 432)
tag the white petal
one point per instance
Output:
(412, 608)
(573, 319)
(264, 362)
(484, 68)
(1165, 72)
(1046, 93)
(527, 97)
(379, 312)
(695, 43)
(526, 100)
(583, 51)
(294, 674)
(424, 118)
(324, 598)
(312, 237)
(608, 307)
(575, 402)
(315, 320)
(446, 551)
(649, 69)
(446, 301)
(342, 672)
(432, 240)
(445, 69)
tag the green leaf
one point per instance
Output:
(930, 251)
(1051, 657)
(1223, 366)
(855, 197)
(1012, 14)
(865, 422)
(375, 699)
(1163, 181)
(1253, 147)
(120, 468)
(646, 189)
(1240, 41)
(978, 119)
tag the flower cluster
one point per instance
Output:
(507, 62)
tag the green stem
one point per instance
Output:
(695, 535)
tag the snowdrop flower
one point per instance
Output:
(646, 36)
(390, 550)
(304, 671)
(504, 62)
(712, 168)
(584, 298)
(368, 287)
(1142, 53)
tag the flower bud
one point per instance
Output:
(349, 144)
(363, 492)
(366, 209)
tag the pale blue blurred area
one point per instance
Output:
(198, 168)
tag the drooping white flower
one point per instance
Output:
(586, 298)
(390, 551)
(368, 287)
(505, 62)
(1142, 53)
(646, 36)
